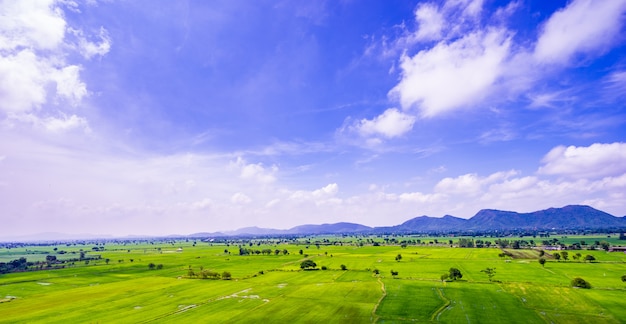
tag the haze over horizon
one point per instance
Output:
(162, 117)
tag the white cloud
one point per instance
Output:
(69, 84)
(90, 49)
(430, 22)
(391, 123)
(583, 27)
(420, 197)
(596, 160)
(470, 184)
(317, 196)
(61, 123)
(452, 75)
(35, 77)
(240, 199)
(202, 204)
(256, 171)
(31, 24)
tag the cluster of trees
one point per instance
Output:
(453, 274)
(247, 251)
(565, 256)
(153, 266)
(51, 262)
(208, 274)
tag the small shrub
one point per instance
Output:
(343, 267)
(324, 268)
(580, 283)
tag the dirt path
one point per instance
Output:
(382, 287)
(435, 316)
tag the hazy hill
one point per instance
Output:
(568, 217)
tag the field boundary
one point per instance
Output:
(382, 287)
(446, 303)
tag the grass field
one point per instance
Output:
(273, 288)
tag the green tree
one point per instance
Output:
(226, 275)
(159, 266)
(580, 283)
(308, 264)
(445, 277)
(624, 278)
(556, 256)
(376, 272)
(343, 267)
(455, 274)
(490, 272)
(564, 255)
(590, 258)
(151, 266)
(398, 257)
(394, 273)
(542, 261)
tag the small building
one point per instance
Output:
(617, 249)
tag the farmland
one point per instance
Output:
(119, 285)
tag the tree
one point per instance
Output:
(226, 275)
(308, 264)
(445, 277)
(455, 274)
(557, 256)
(376, 272)
(398, 257)
(159, 266)
(542, 253)
(490, 272)
(590, 258)
(564, 255)
(301, 252)
(580, 283)
(343, 267)
(151, 266)
(394, 273)
(624, 278)
(542, 261)
(107, 260)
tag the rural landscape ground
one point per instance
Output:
(356, 279)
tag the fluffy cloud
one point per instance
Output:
(391, 123)
(470, 184)
(582, 27)
(462, 62)
(256, 171)
(449, 76)
(597, 160)
(240, 199)
(430, 22)
(34, 45)
(318, 195)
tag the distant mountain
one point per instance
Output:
(568, 217)
(336, 228)
(428, 224)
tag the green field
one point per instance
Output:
(273, 288)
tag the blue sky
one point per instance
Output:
(163, 117)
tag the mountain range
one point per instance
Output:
(487, 220)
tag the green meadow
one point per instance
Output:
(273, 288)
